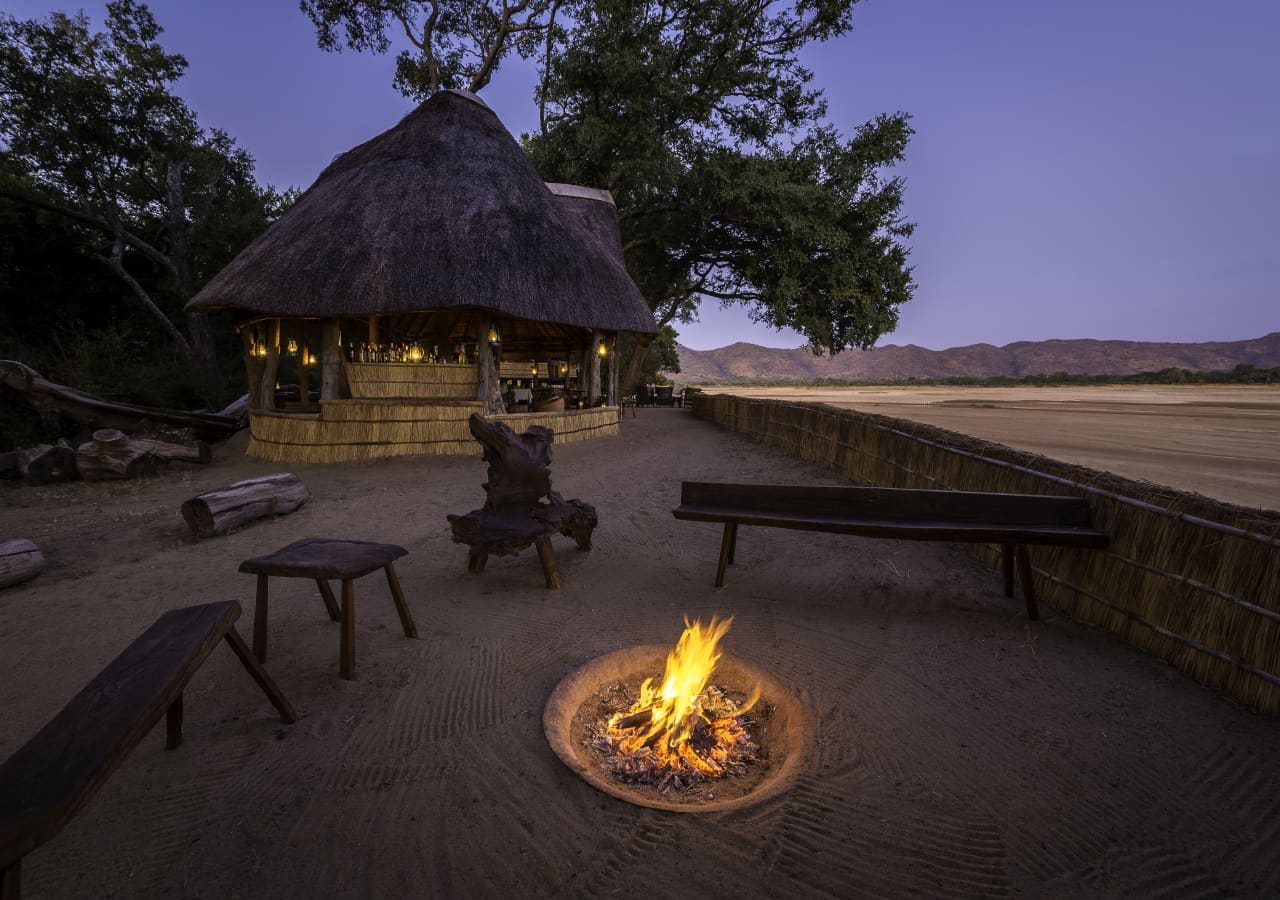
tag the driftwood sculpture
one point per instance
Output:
(520, 509)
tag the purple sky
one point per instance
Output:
(1094, 169)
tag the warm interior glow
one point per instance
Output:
(416, 353)
(603, 350)
(676, 720)
(292, 347)
(493, 335)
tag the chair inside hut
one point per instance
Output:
(446, 356)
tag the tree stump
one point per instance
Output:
(20, 560)
(520, 508)
(111, 455)
(236, 505)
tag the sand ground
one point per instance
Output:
(1222, 441)
(955, 748)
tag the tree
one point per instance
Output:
(456, 43)
(699, 118)
(94, 134)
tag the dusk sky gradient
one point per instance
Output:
(1079, 170)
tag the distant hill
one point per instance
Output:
(749, 362)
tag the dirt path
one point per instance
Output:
(956, 750)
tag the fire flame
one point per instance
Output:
(686, 731)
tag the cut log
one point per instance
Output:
(30, 388)
(237, 410)
(111, 455)
(20, 560)
(239, 504)
(194, 452)
(48, 464)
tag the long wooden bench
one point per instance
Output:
(46, 782)
(1011, 520)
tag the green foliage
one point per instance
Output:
(115, 207)
(456, 43)
(700, 120)
(661, 356)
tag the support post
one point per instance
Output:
(330, 360)
(593, 378)
(488, 388)
(253, 366)
(271, 369)
(613, 370)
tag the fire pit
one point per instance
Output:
(686, 730)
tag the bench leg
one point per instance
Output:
(727, 545)
(476, 560)
(260, 621)
(1028, 586)
(265, 681)
(406, 620)
(330, 604)
(173, 724)
(347, 644)
(11, 881)
(1006, 564)
(548, 558)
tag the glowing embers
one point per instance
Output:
(686, 731)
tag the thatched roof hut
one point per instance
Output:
(442, 211)
(427, 274)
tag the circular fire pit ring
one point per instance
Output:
(582, 698)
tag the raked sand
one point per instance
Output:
(955, 748)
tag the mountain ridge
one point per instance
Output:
(743, 362)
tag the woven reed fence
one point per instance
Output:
(349, 430)
(1186, 578)
(425, 380)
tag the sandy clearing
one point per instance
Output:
(1220, 441)
(956, 749)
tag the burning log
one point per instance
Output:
(112, 455)
(20, 560)
(236, 505)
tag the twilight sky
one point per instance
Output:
(1097, 169)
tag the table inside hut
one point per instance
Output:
(321, 560)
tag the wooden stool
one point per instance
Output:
(322, 560)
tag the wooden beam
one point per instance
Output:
(330, 360)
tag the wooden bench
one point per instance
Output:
(1011, 520)
(46, 782)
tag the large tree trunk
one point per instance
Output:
(27, 386)
(20, 560)
(236, 505)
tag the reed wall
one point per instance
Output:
(348, 430)
(1186, 578)
(396, 380)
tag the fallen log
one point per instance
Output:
(20, 560)
(194, 452)
(112, 455)
(30, 388)
(47, 464)
(239, 504)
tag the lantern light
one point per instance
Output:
(603, 350)
(292, 347)
(495, 338)
(416, 353)
(533, 369)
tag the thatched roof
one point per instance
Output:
(442, 211)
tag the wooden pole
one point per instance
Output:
(613, 370)
(271, 368)
(330, 360)
(373, 329)
(253, 366)
(488, 386)
(593, 379)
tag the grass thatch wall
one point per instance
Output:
(386, 380)
(347, 430)
(1191, 580)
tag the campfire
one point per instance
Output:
(689, 729)
(685, 731)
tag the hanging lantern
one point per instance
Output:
(495, 337)
(533, 369)
(292, 347)
(603, 350)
